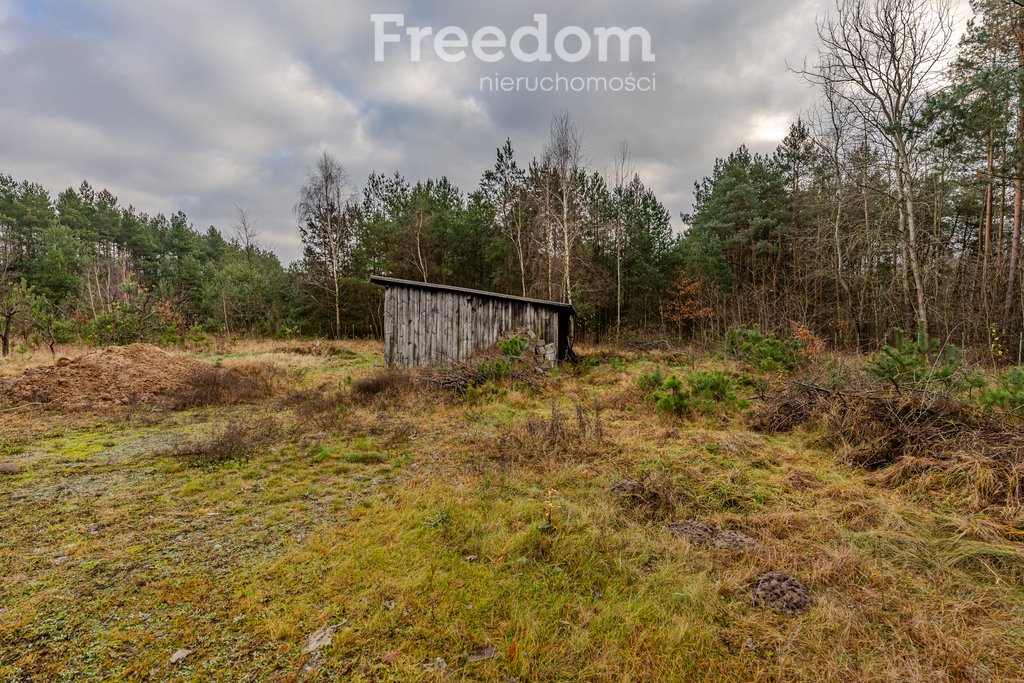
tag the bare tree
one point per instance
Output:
(543, 188)
(563, 154)
(621, 174)
(325, 212)
(246, 232)
(882, 58)
(832, 138)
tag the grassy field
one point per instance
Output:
(428, 537)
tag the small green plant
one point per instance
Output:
(1008, 394)
(442, 519)
(767, 353)
(672, 397)
(364, 458)
(494, 370)
(320, 455)
(713, 391)
(486, 392)
(513, 347)
(708, 393)
(921, 363)
(482, 378)
(649, 381)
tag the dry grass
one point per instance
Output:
(209, 385)
(321, 409)
(232, 441)
(384, 384)
(19, 363)
(557, 437)
(489, 534)
(655, 496)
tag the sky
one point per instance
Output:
(206, 106)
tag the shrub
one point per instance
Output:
(216, 385)
(136, 315)
(1008, 394)
(512, 351)
(649, 381)
(494, 370)
(712, 391)
(321, 409)
(513, 347)
(671, 397)
(921, 363)
(234, 441)
(704, 392)
(764, 352)
(389, 383)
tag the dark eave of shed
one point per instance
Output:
(395, 282)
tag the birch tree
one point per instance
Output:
(622, 172)
(563, 154)
(326, 214)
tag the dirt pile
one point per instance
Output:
(783, 593)
(704, 534)
(653, 497)
(115, 375)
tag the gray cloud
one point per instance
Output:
(202, 106)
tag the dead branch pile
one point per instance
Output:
(488, 365)
(920, 433)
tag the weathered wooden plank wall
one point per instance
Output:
(425, 327)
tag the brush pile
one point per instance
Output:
(909, 435)
(517, 361)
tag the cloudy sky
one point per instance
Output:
(202, 106)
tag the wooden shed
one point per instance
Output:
(427, 325)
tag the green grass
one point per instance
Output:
(418, 534)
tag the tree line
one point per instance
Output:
(895, 203)
(80, 266)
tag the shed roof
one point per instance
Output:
(395, 282)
